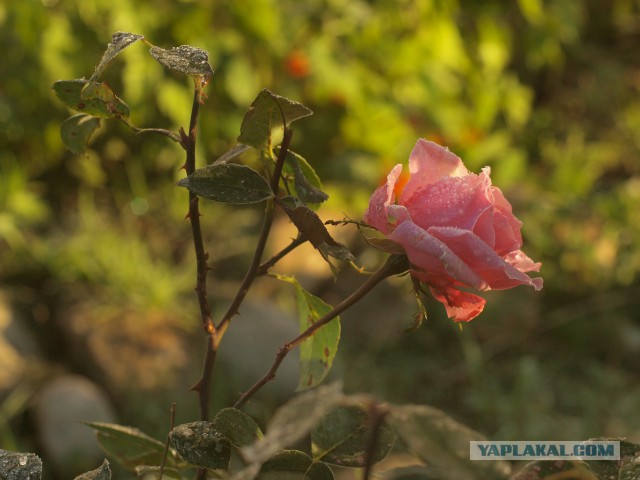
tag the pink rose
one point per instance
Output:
(455, 227)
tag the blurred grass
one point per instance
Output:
(545, 92)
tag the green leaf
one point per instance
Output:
(237, 427)
(263, 124)
(228, 183)
(119, 41)
(201, 444)
(293, 421)
(185, 59)
(294, 465)
(20, 466)
(130, 446)
(343, 436)
(146, 472)
(443, 443)
(98, 99)
(103, 472)
(307, 185)
(77, 130)
(317, 352)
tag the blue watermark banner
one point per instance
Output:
(560, 450)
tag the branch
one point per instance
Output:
(254, 268)
(394, 265)
(167, 133)
(295, 243)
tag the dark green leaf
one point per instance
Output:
(237, 427)
(228, 183)
(129, 446)
(77, 130)
(342, 438)
(19, 466)
(146, 472)
(201, 444)
(263, 125)
(293, 421)
(103, 472)
(307, 185)
(119, 41)
(443, 443)
(317, 352)
(95, 99)
(184, 59)
(294, 465)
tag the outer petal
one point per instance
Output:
(428, 163)
(376, 214)
(460, 306)
(441, 266)
(498, 273)
(505, 224)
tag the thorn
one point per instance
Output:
(196, 387)
(187, 216)
(183, 167)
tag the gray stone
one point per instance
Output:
(70, 447)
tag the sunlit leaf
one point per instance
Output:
(228, 183)
(443, 443)
(20, 466)
(292, 421)
(103, 472)
(343, 436)
(98, 100)
(317, 352)
(130, 446)
(184, 59)
(263, 124)
(294, 465)
(201, 444)
(237, 427)
(119, 41)
(76, 131)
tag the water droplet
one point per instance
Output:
(22, 460)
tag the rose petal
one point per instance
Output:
(451, 201)
(505, 224)
(428, 163)
(376, 214)
(498, 273)
(460, 306)
(440, 264)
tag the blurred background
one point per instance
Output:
(98, 318)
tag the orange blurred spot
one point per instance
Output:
(297, 64)
(400, 183)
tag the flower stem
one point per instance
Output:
(394, 265)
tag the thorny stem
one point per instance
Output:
(394, 265)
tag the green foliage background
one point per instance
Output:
(545, 92)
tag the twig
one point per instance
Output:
(167, 133)
(295, 243)
(395, 264)
(166, 444)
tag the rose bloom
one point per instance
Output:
(456, 228)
